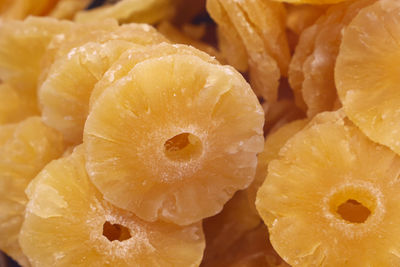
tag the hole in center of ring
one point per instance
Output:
(183, 147)
(353, 211)
(116, 232)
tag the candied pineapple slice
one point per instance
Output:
(25, 148)
(22, 46)
(67, 223)
(134, 56)
(260, 26)
(367, 72)
(311, 71)
(16, 105)
(64, 95)
(174, 139)
(140, 11)
(331, 178)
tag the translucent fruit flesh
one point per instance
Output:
(131, 121)
(68, 223)
(367, 72)
(325, 169)
(25, 148)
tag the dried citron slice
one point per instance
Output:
(261, 28)
(175, 147)
(311, 71)
(25, 148)
(15, 104)
(64, 94)
(67, 223)
(134, 56)
(148, 11)
(224, 229)
(30, 38)
(367, 75)
(332, 178)
(273, 144)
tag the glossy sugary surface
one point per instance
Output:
(65, 220)
(322, 167)
(25, 148)
(367, 72)
(176, 147)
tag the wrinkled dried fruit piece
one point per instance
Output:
(311, 71)
(273, 144)
(65, 93)
(260, 25)
(176, 36)
(300, 17)
(367, 72)
(20, 9)
(68, 223)
(25, 148)
(139, 11)
(30, 38)
(226, 228)
(174, 148)
(66, 9)
(134, 56)
(325, 170)
(15, 104)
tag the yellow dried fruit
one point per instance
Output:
(68, 223)
(25, 148)
(66, 9)
(331, 177)
(175, 148)
(367, 75)
(311, 71)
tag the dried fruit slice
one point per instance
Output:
(261, 27)
(64, 95)
(300, 17)
(179, 136)
(67, 223)
(30, 38)
(20, 9)
(367, 75)
(313, 2)
(149, 11)
(273, 144)
(16, 105)
(66, 9)
(325, 171)
(311, 71)
(131, 57)
(25, 148)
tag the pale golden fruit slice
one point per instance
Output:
(331, 181)
(367, 72)
(273, 144)
(261, 27)
(20, 9)
(313, 2)
(67, 223)
(223, 230)
(30, 38)
(64, 95)
(140, 11)
(16, 105)
(134, 56)
(66, 9)
(253, 249)
(311, 71)
(177, 36)
(174, 139)
(25, 148)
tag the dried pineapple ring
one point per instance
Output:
(174, 139)
(149, 11)
(311, 71)
(332, 178)
(68, 223)
(25, 148)
(16, 105)
(134, 56)
(261, 27)
(367, 75)
(64, 95)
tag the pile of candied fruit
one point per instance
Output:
(213, 133)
